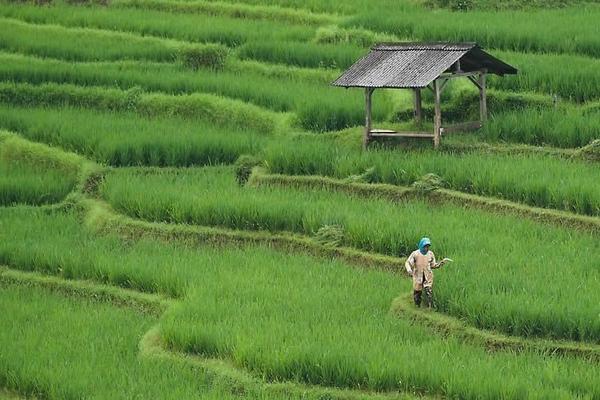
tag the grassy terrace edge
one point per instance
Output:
(151, 344)
(130, 228)
(100, 216)
(397, 193)
(448, 325)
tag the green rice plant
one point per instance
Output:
(333, 34)
(125, 138)
(287, 72)
(302, 54)
(463, 5)
(198, 106)
(32, 173)
(237, 10)
(349, 7)
(319, 106)
(59, 347)
(26, 184)
(568, 30)
(208, 56)
(192, 28)
(532, 179)
(462, 104)
(565, 127)
(567, 76)
(79, 44)
(280, 316)
(212, 197)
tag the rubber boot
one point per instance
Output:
(429, 297)
(417, 297)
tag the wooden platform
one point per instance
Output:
(375, 133)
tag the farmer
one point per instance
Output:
(419, 265)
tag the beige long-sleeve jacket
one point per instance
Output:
(421, 267)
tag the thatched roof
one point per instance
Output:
(415, 65)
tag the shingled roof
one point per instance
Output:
(415, 65)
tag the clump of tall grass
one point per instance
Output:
(428, 183)
(590, 152)
(333, 34)
(192, 28)
(360, 346)
(208, 56)
(198, 106)
(330, 235)
(243, 167)
(536, 180)
(126, 139)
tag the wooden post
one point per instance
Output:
(368, 93)
(437, 121)
(482, 98)
(418, 106)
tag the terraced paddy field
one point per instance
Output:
(186, 210)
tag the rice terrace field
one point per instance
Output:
(187, 210)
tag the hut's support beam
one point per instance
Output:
(437, 121)
(482, 98)
(480, 82)
(418, 107)
(368, 96)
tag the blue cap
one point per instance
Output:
(422, 243)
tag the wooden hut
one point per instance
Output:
(416, 66)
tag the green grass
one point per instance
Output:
(79, 44)
(22, 183)
(236, 10)
(34, 174)
(568, 76)
(211, 197)
(318, 105)
(125, 139)
(193, 28)
(463, 5)
(302, 54)
(565, 127)
(57, 347)
(359, 343)
(125, 84)
(202, 107)
(568, 30)
(532, 179)
(328, 6)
